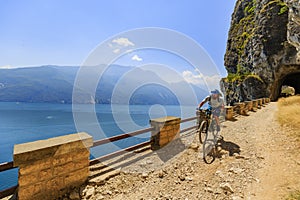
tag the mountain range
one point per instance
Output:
(119, 84)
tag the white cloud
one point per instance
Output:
(6, 67)
(211, 82)
(116, 50)
(136, 58)
(125, 42)
(192, 78)
(129, 51)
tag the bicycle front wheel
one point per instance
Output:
(209, 150)
(202, 131)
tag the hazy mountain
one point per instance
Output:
(119, 84)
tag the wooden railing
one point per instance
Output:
(131, 148)
(231, 112)
(9, 165)
(8, 191)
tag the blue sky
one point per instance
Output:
(64, 32)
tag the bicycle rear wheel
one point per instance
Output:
(209, 150)
(202, 131)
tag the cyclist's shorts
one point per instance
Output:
(216, 111)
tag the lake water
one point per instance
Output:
(26, 122)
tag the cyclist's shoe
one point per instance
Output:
(218, 128)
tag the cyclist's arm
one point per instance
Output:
(203, 102)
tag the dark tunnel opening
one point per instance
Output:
(292, 80)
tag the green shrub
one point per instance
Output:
(283, 9)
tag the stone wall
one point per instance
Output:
(50, 168)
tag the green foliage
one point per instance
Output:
(241, 77)
(249, 9)
(241, 74)
(283, 9)
(283, 6)
(245, 28)
(254, 76)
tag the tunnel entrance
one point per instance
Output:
(292, 80)
(287, 76)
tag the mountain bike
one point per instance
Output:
(203, 123)
(208, 135)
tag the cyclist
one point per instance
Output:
(216, 105)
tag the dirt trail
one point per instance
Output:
(268, 167)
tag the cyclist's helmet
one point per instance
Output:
(216, 92)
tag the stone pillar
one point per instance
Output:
(50, 168)
(259, 103)
(249, 105)
(165, 130)
(241, 108)
(254, 105)
(267, 100)
(229, 112)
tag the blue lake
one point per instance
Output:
(26, 122)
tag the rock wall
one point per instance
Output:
(263, 48)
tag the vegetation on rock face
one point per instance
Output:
(245, 28)
(283, 6)
(241, 75)
(241, 32)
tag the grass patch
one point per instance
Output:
(289, 113)
(294, 196)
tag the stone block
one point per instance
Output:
(52, 166)
(45, 174)
(63, 169)
(62, 159)
(241, 108)
(229, 112)
(254, 104)
(27, 179)
(35, 166)
(41, 149)
(249, 105)
(76, 178)
(259, 103)
(163, 141)
(83, 163)
(165, 130)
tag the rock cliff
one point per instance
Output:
(263, 49)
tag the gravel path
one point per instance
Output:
(267, 167)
